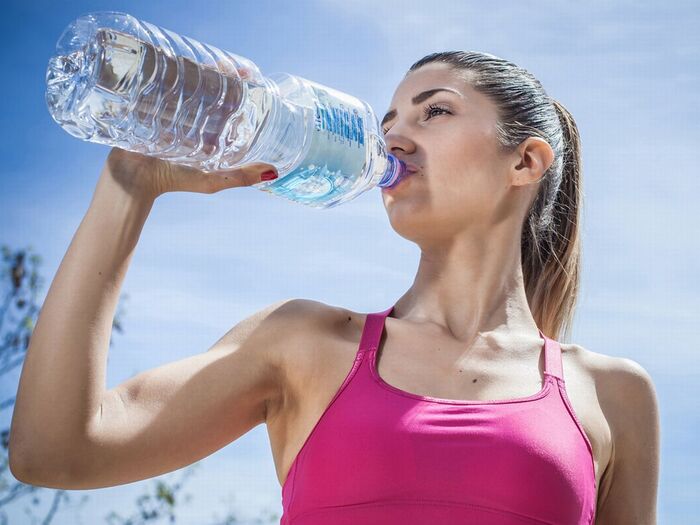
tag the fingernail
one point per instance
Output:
(268, 175)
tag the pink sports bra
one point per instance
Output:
(381, 455)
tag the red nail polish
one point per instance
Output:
(268, 175)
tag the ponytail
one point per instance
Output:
(552, 273)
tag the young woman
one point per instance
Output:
(455, 405)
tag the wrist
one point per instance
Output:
(125, 189)
(114, 204)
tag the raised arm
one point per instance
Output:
(61, 398)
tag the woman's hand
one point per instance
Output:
(141, 175)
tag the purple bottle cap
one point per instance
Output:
(396, 170)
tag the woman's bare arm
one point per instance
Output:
(62, 383)
(62, 408)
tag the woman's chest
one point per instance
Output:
(315, 382)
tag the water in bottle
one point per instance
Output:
(123, 82)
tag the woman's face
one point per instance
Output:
(462, 179)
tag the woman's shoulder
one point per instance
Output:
(311, 314)
(628, 399)
(621, 383)
(306, 326)
(313, 337)
(603, 367)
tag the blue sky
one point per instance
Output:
(627, 71)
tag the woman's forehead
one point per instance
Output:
(435, 76)
(431, 76)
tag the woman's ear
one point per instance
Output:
(534, 156)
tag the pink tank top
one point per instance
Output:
(383, 456)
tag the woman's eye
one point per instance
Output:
(432, 107)
(427, 112)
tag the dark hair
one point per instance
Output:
(550, 241)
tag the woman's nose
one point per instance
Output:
(394, 140)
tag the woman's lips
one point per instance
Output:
(410, 168)
(409, 174)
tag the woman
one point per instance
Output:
(451, 406)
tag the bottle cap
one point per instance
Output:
(395, 171)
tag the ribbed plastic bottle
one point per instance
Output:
(123, 82)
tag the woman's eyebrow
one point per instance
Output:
(420, 97)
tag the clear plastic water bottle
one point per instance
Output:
(123, 82)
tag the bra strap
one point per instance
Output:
(552, 357)
(372, 331)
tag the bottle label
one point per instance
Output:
(337, 154)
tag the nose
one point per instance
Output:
(395, 140)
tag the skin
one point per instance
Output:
(464, 209)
